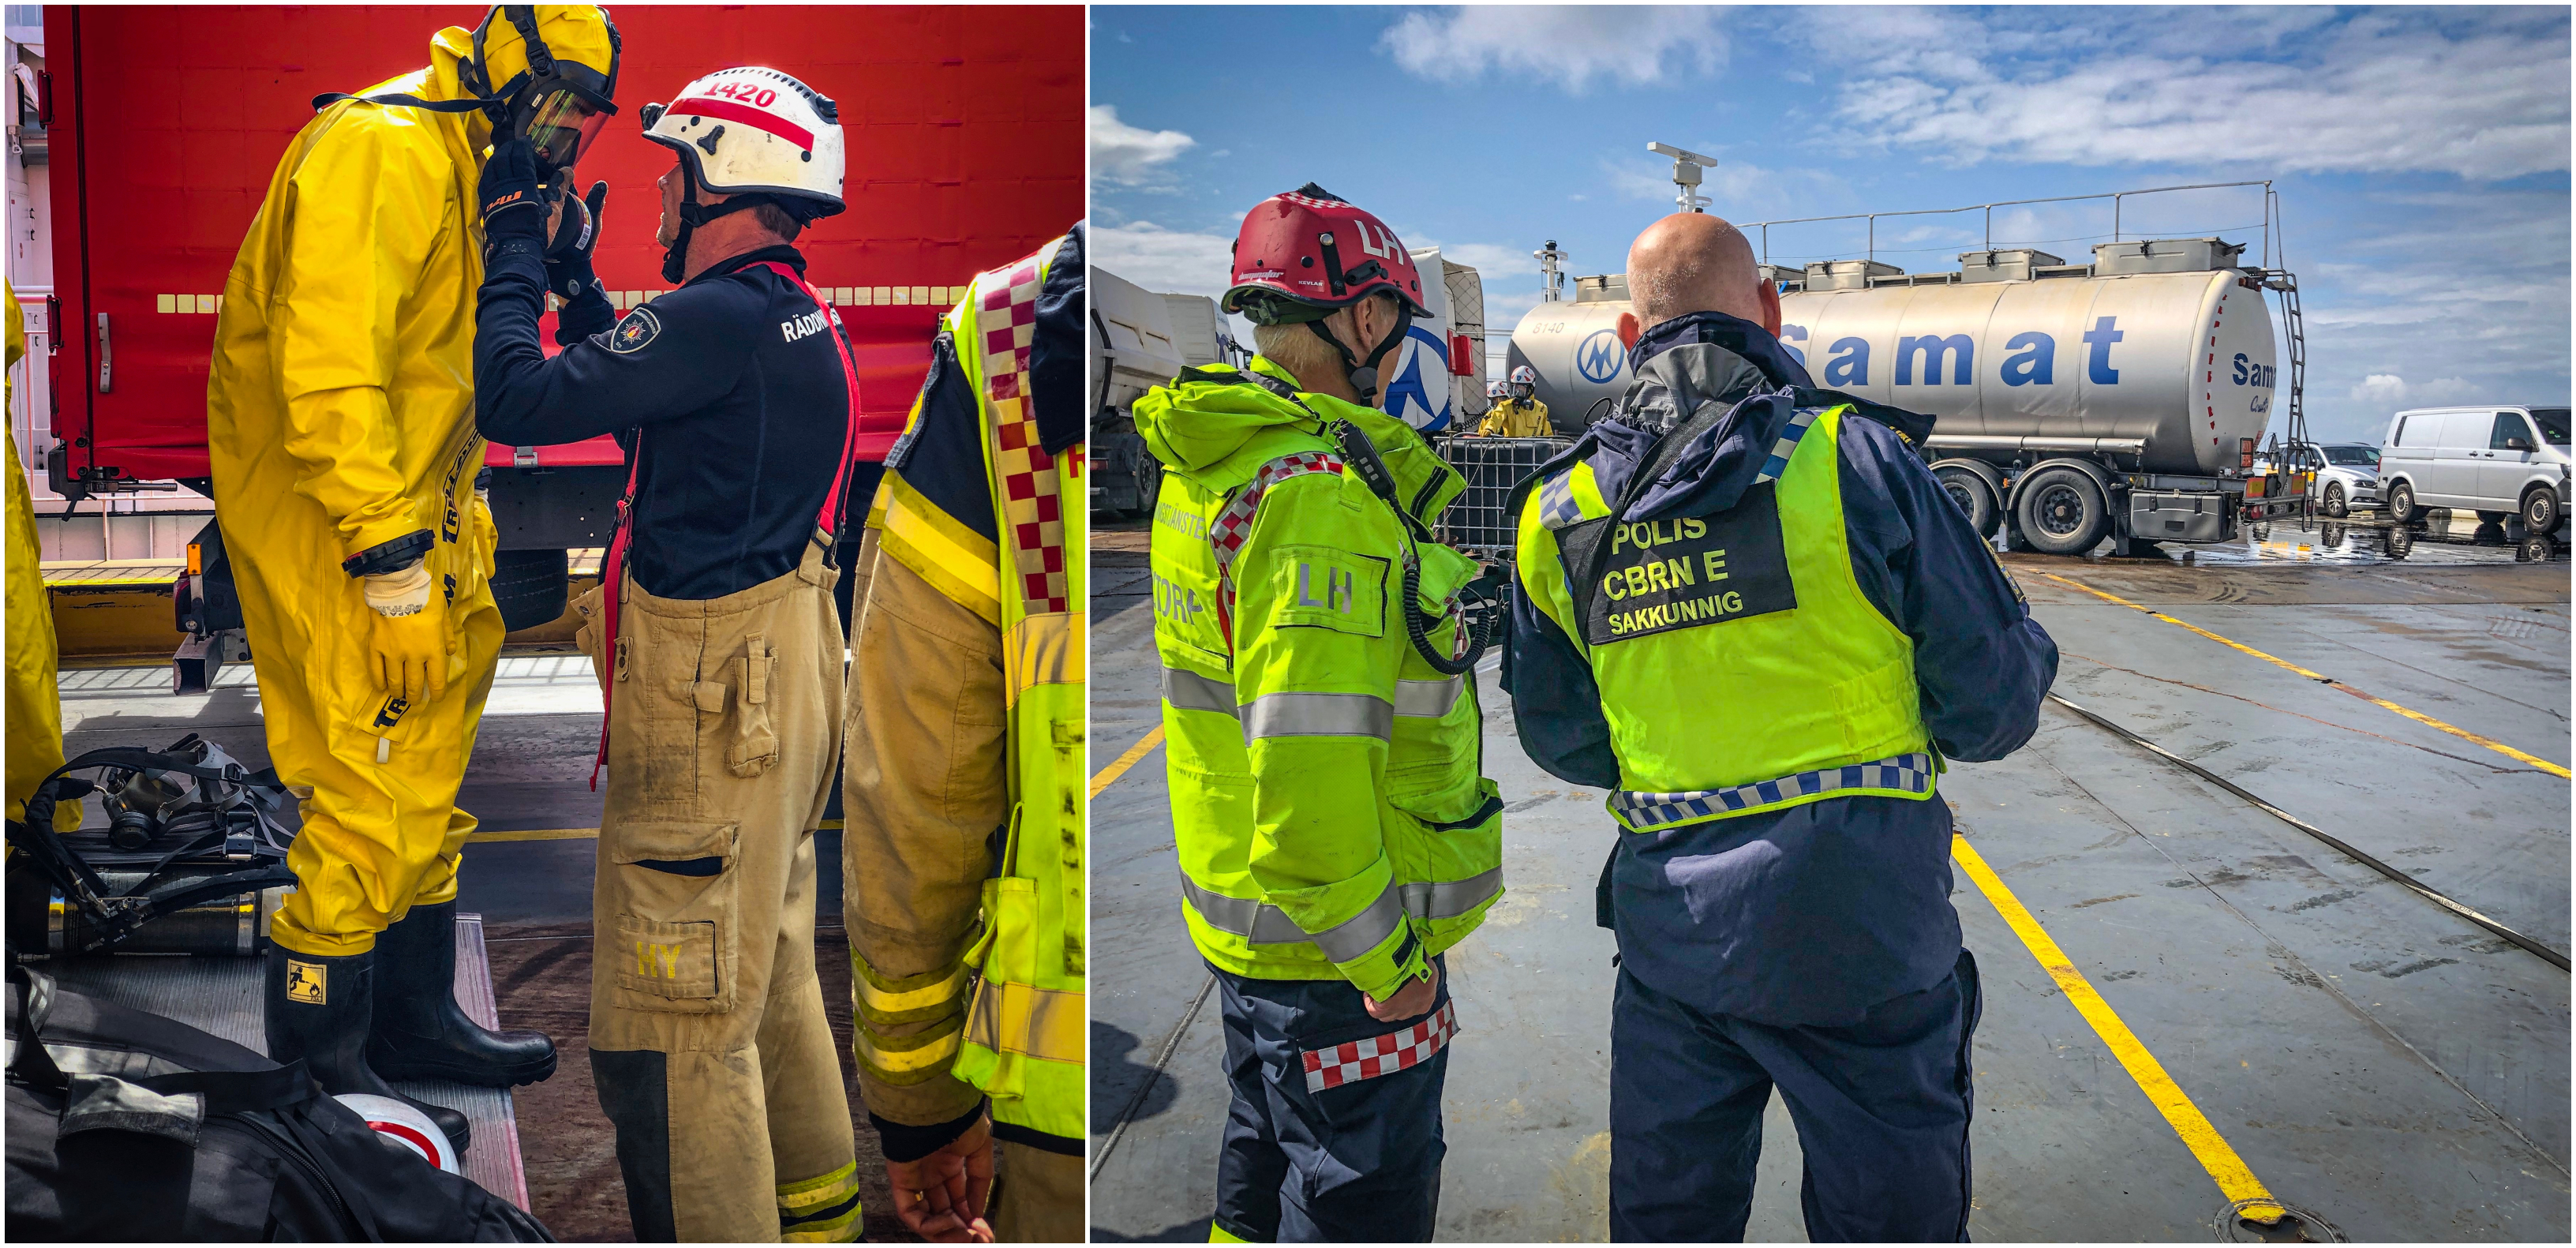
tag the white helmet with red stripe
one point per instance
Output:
(756, 131)
(405, 1126)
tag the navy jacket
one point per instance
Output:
(1813, 914)
(733, 384)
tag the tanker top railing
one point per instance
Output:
(2116, 197)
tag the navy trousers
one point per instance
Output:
(1355, 1163)
(1882, 1111)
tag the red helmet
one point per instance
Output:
(1307, 249)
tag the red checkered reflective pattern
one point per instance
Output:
(1234, 524)
(1381, 1055)
(1032, 490)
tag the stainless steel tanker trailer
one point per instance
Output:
(2123, 398)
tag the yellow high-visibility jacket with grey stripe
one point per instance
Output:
(967, 728)
(1326, 796)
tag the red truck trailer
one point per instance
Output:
(167, 122)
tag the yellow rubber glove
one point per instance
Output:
(413, 646)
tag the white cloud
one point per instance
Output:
(1170, 261)
(1570, 46)
(1174, 262)
(1129, 156)
(2391, 391)
(2482, 94)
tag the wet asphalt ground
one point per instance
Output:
(2380, 1065)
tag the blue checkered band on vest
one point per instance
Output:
(1910, 773)
(1556, 505)
(1788, 443)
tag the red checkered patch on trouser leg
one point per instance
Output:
(1381, 1055)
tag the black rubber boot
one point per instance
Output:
(420, 1031)
(319, 1010)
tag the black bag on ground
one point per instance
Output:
(128, 1126)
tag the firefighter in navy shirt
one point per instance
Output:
(717, 643)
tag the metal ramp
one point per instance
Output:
(221, 995)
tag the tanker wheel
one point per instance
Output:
(2401, 504)
(2062, 512)
(1145, 476)
(2336, 505)
(1975, 498)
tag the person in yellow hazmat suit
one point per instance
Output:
(962, 878)
(1519, 414)
(35, 723)
(340, 417)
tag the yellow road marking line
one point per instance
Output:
(2418, 716)
(2235, 1179)
(1135, 753)
(533, 834)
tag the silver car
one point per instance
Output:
(2349, 478)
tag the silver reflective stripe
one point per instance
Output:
(1318, 715)
(1453, 898)
(1265, 924)
(1428, 699)
(1352, 938)
(1255, 922)
(1188, 691)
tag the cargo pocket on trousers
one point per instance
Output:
(755, 743)
(676, 903)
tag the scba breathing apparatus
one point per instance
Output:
(756, 136)
(558, 104)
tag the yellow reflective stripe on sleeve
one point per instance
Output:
(956, 560)
(908, 1059)
(907, 999)
(1035, 1022)
(1043, 650)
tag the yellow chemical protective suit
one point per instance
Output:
(35, 723)
(340, 417)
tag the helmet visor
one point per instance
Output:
(562, 124)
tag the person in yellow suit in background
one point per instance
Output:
(1520, 414)
(340, 418)
(35, 723)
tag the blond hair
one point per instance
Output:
(1306, 356)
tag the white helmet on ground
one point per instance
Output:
(405, 1127)
(755, 134)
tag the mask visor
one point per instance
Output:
(562, 125)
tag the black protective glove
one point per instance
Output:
(568, 271)
(586, 310)
(512, 209)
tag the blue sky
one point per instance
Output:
(2421, 154)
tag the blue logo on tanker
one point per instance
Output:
(1936, 358)
(1600, 356)
(1411, 391)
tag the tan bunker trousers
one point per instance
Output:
(707, 1034)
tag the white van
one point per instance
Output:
(2495, 461)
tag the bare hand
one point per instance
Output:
(941, 1196)
(1413, 1000)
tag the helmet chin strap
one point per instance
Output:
(1363, 373)
(675, 258)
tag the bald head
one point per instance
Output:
(1692, 262)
